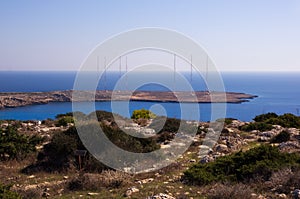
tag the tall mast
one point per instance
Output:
(104, 73)
(174, 72)
(191, 68)
(126, 80)
(206, 72)
(120, 73)
(97, 64)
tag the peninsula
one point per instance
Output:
(17, 99)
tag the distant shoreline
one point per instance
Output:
(18, 99)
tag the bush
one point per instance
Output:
(64, 121)
(59, 154)
(129, 143)
(287, 120)
(14, 145)
(264, 117)
(242, 166)
(142, 114)
(283, 136)
(69, 114)
(162, 124)
(261, 126)
(6, 193)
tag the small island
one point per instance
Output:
(18, 99)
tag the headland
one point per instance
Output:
(18, 99)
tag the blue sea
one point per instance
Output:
(277, 92)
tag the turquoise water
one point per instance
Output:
(278, 92)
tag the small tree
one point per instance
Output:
(64, 121)
(142, 114)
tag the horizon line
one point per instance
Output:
(263, 71)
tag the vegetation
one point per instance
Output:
(69, 114)
(283, 136)
(227, 191)
(163, 124)
(264, 122)
(14, 145)
(261, 170)
(6, 193)
(58, 155)
(242, 166)
(227, 121)
(261, 126)
(142, 114)
(264, 117)
(64, 121)
(106, 179)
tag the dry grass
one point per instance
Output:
(227, 191)
(284, 181)
(106, 179)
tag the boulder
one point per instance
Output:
(206, 159)
(296, 194)
(130, 191)
(222, 148)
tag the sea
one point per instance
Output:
(277, 92)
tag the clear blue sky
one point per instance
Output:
(238, 34)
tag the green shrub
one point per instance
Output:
(64, 121)
(14, 145)
(162, 124)
(6, 193)
(58, 155)
(242, 166)
(264, 117)
(287, 120)
(283, 136)
(142, 114)
(261, 126)
(69, 114)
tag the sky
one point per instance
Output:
(239, 35)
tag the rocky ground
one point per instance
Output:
(165, 183)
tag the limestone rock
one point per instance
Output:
(221, 148)
(296, 194)
(92, 194)
(130, 191)
(161, 196)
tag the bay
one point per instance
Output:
(277, 92)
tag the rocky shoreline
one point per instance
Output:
(18, 99)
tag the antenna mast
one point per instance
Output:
(104, 73)
(174, 74)
(206, 72)
(126, 80)
(120, 73)
(191, 68)
(97, 64)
